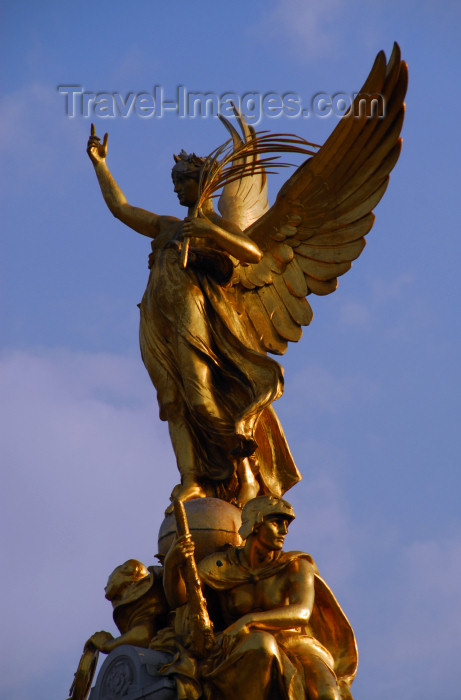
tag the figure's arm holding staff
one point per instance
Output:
(182, 583)
(234, 242)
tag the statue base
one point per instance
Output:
(131, 673)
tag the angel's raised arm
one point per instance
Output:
(142, 221)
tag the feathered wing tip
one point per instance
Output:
(317, 226)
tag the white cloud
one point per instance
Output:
(400, 321)
(392, 289)
(37, 138)
(323, 525)
(320, 391)
(353, 313)
(418, 618)
(307, 29)
(87, 471)
(133, 64)
(431, 576)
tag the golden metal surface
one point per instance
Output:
(213, 525)
(140, 610)
(279, 629)
(201, 626)
(223, 292)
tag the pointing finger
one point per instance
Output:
(106, 138)
(93, 132)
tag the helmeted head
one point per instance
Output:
(261, 507)
(123, 576)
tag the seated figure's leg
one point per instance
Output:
(320, 680)
(252, 670)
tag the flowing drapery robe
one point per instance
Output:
(206, 368)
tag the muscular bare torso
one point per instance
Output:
(265, 594)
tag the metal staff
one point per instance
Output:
(201, 625)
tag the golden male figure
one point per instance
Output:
(280, 631)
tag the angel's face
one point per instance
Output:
(186, 187)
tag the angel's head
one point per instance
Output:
(186, 175)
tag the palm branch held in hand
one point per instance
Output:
(237, 159)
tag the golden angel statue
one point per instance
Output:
(226, 290)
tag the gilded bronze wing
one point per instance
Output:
(244, 200)
(316, 227)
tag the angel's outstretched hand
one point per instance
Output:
(96, 150)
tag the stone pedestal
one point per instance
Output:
(131, 673)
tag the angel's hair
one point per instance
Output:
(188, 163)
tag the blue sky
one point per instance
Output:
(371, 405)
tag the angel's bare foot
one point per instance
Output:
(246, 493)
(185, 492)
(249, 487)
(188, 492)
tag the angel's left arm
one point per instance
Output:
(234, 242)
